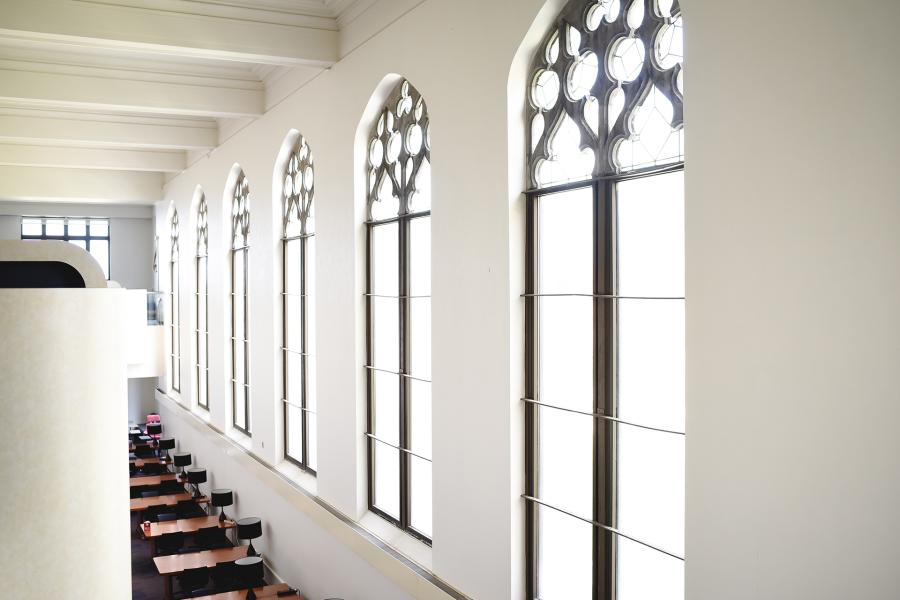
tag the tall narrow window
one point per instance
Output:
(201, 333)
(605, 305)
(398, 301)
(175, 309)
(298, 302)
(240, 305)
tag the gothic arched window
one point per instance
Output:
(202, 304)
(398, 303)
(240, 304)
(298, 302)
(175, 298)
(605, 305)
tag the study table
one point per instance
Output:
(269, 591)
(140, 462)
(139, 504)
(148, 480)
(175, 564)
(191, 525)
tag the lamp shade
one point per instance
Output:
(249, 528)
(166, 443)
(249, 569)
(196, 476)
(154, 429)
(182, 459)
(222, 497)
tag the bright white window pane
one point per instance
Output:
(312, 450)
(651, 362)
(31, 227)
(566, 350)
(420, 495)
(386, 406)
(80, 243)
(239, 412)
(644, 573)
(565, 463)
(311, 383)
(201, 387)
(420, 418)
(564, 556)
(651, 235)
(294, 446)
(294, 375)
(310, 346)
(565, 243)
(99, 227)
(420, 337)
(387, 479)
(56, 227)
(385, 333)
(100, 251)
(292, 267)
(78, 227)
(420, 256)
(650, 472)
(293, 326)
(385, 261)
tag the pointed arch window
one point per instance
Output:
(201, 333)
(298, 304)
(398, 303)
(174, 302)
(240, 304)
(605, 303)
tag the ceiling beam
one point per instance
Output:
(92, 158)
(25, 126)
(185, 32)
(79, 185)
(120, 91)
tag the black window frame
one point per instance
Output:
(602, 182)
(201, 338)
(297, 204)
(404, 90)
(240, 218)
(86, 238)
(174, 305)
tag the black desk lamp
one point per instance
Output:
(249, 528)
(222, 498)
(195, 477)
(154, 429)
(166, 444)
(182, 459)
(250, 572)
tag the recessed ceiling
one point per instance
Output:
(131, 89)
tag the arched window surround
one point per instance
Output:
(240, 302)
(201, 304)
(174, 304)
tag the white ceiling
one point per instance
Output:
(134, 89)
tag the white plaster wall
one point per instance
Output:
(64, 478)
(793, 214)
(792, 249)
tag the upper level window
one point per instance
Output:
(202, 305)
(240, 304)
(174, 301)
(398, 302)
(605, 305)
(90, 234)
(298, 303)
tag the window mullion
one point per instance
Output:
(304, 450)
(403, 266)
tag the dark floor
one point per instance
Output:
(146, 583)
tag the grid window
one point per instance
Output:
(201, 333)
(86, 233)
(398, 303)
(175, 313)
(240, 305)
(605, 305)
(298, 304)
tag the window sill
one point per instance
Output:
(305, 480)
(201, 413)
(240, 438)
(411, 547)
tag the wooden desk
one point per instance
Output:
(140, 462)
(269, 591)
(168, 566)
(139, 504)
(191, 525)
(148, 480)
